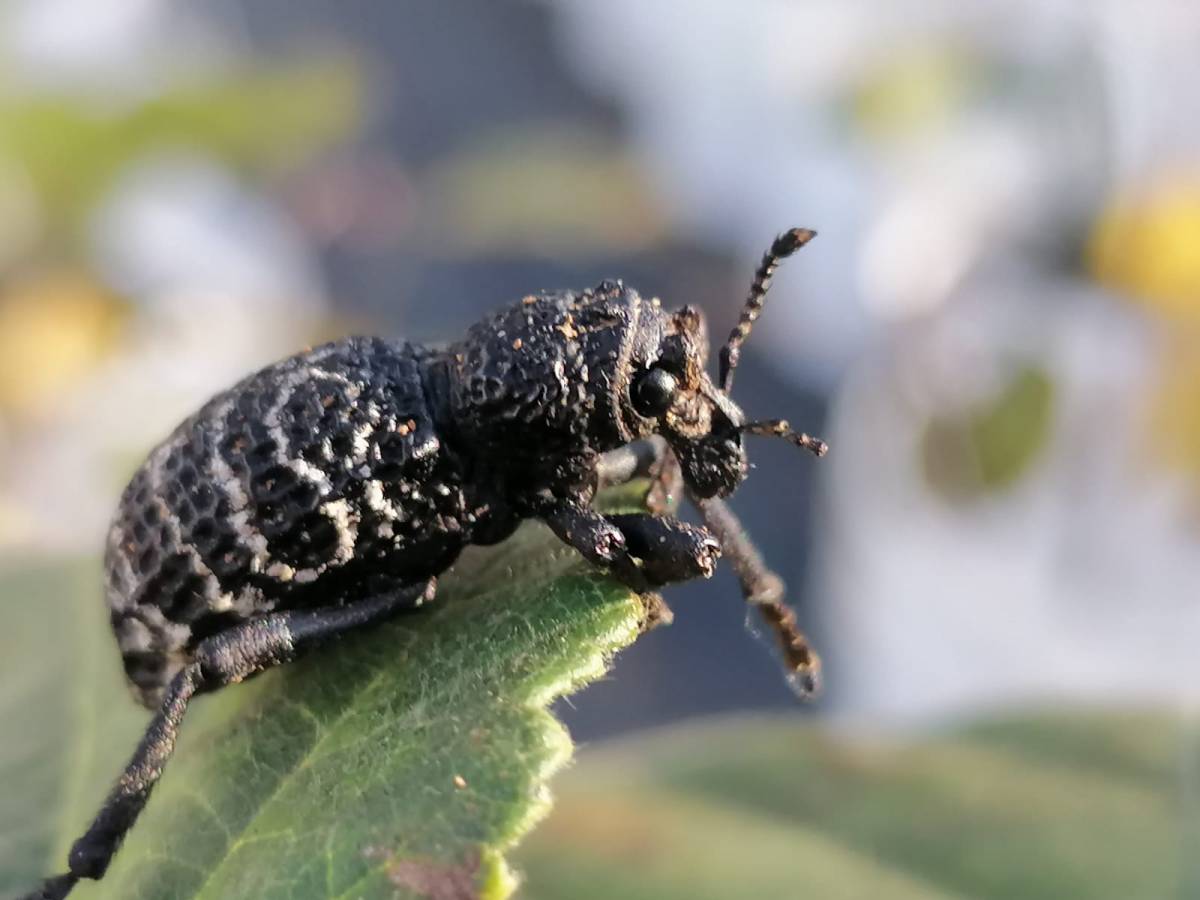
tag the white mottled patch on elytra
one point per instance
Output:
(121, 578)
(281, 571)
(360, 439)
(133, 636)
(560, 373)
(158, 458)
(374, 497)
(273, 418)
(306, 576)
(212, 584)
(360, 443)
(175, 636)
(174, 528)
(154, 469)
(239, 505)
(230, 484)
(352, 390)
(345, 521)
(311, 473)
(249, 601)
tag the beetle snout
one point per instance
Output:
(713, 466)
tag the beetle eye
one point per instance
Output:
(653, 392)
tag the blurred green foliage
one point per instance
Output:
(71, 149)
(506, 195)
(1050, 807)
(991, 445)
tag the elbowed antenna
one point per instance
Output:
(785, 245)
(781, 428)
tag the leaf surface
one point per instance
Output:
(402, 762)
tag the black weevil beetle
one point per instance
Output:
(328, 491)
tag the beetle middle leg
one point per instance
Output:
(649, 458)
(225, 658)
(669, 550)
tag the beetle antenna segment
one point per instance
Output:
(785, 245)
(781, 428)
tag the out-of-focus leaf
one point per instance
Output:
(1053, 808)
(913, 91)
(402, 762)
(71, 149)
(990, 447)
(549, 190)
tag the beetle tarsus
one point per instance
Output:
(55, 888)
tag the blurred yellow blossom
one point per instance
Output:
(54, 327)
(1147, 245)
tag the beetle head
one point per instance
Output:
(668, 390)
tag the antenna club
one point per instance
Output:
(784, 246)
(791, 241)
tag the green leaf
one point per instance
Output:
(990, 447)
(1052, 807)
(402, 762)
(312, 104)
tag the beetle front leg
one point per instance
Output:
(670, 550)
(597, 539)
(764, 590)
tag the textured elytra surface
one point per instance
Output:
(315, 481)
(392, 764)
(366, 465)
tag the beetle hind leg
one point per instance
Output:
(222, 659)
